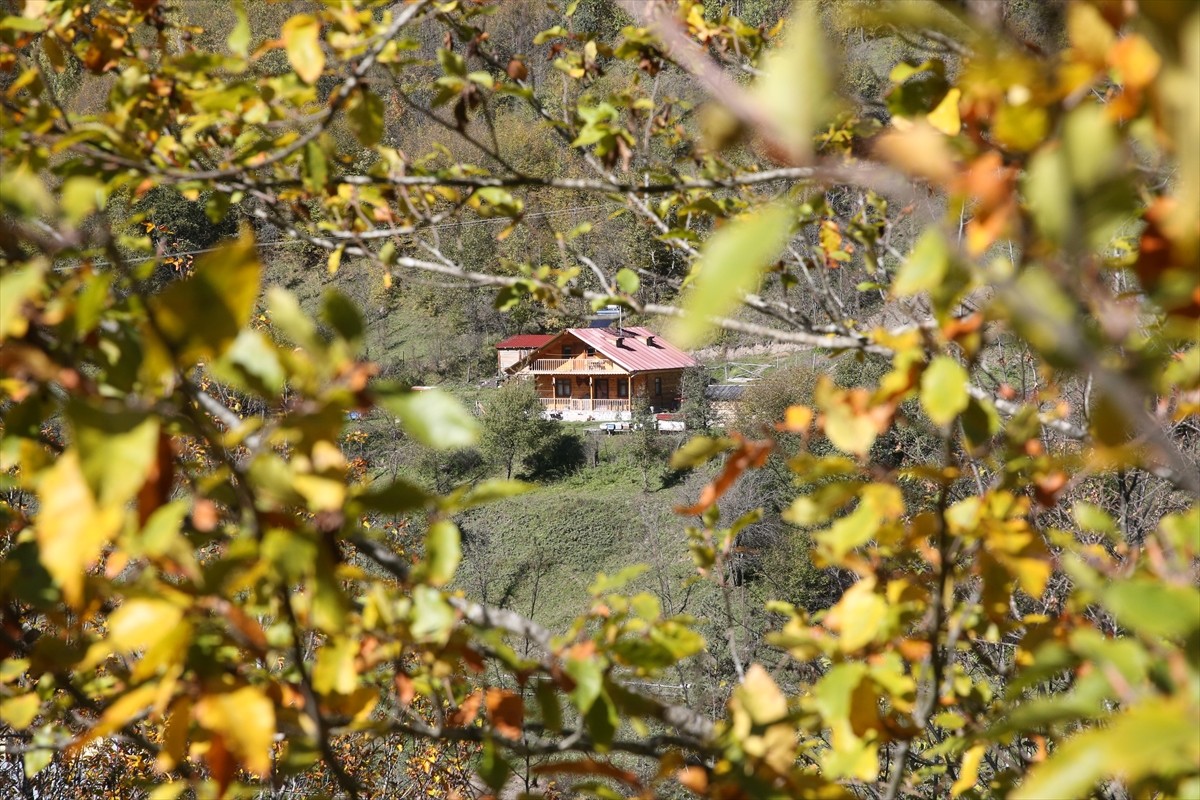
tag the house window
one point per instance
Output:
(658, 387)
(562, 387)
(566, 351)
(602, 389)
(622, 387)
(591, 351)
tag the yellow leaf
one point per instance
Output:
(175, 735)
(761, 697)
(858, 616)
(969, 773)
(71, 529)
(302, 40)
(945, 117)
(120, 712)
(19, 712)
(919, 150)
(797, 419)
(1090, 35)
(322, 494)
(245, 719)
(139, 624)
(334, 670)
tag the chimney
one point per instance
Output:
(650, 341)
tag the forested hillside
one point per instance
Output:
(270, 528)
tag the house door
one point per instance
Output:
(602, 389)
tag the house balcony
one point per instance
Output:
(584, 405)
(574, 366)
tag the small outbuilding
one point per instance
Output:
(514, 348)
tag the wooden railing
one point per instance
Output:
(577, 364)
(583, 404)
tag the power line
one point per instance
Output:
(296, 240)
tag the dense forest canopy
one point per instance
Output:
(947, 547)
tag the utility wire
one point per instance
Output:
(296, 240)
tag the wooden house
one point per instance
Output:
(596, 372)
(515, 348)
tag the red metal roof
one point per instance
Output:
(633, 353)
(525, 341)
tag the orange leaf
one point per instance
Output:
(405, 689)
(747, 455)
(220, 763)
(205, 515)
(467, 711)
(1136, 60)
(587, 766)
(955, 328)
(694, 778)
(506, 710)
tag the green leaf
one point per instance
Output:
(252, 363)
(588, 674)
(1157, 738)
(605, 584)
(397, 497)
(602, 720)
(699, 450)
(23, 24)
(81, 195)
(980, 422)
(794, 91)
(117, 448)
(944, 390)
(443, 552)
(558, 31)
(628, 281)
(16, 287)
(1153, 608)
(839, 698)
(432, 616)
(452, 63)
(925, 267)
(731, 265)
(342, 315)
(1091, 517)
(239, 38)
(487, 491)
(434, 418)
(302, 41)
(202, 315)
(37, 760)
(1047, 188)
(289, 318)
(365, 115)
(548, 701)
(334, 671)
(492, 767)
(316, 171)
